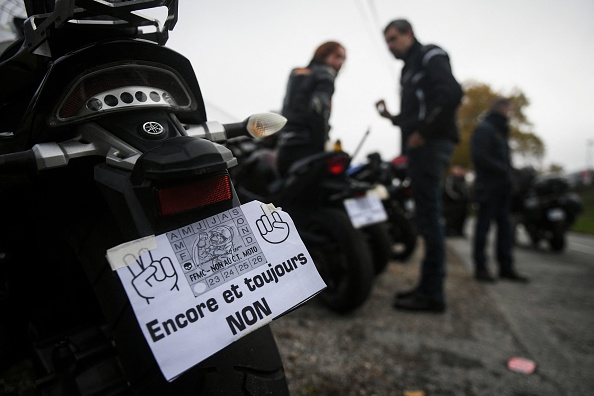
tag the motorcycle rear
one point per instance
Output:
(393, 186)
(313, 191)
(546, 208)
(96, 150)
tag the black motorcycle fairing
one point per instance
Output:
(20, 75)
(41, 120)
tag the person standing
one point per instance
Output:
(491, 157)
(430, 97)
(307, 105)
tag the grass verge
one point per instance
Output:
(585, 221)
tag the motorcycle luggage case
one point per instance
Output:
(551, 185)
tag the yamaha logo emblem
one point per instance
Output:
(153, 128)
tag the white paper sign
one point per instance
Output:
(199, 288)
(365, 210)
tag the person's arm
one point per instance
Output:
(444, 93)
(320, 106)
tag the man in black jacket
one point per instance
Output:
(430, 96)
(492, 190)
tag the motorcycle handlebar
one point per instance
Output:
(20, 161)
(52, 155)
(235, 129)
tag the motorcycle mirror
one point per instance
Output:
(265, 124)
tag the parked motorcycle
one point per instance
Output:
(545, 207)
(393, 187)
(314, 192)
(96, 149)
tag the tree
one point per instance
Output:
(477, 99)
(555, 168)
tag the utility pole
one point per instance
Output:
(589, 145)
(587, 174)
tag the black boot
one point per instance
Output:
(483, 275)
(513, 276)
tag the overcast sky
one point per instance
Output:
(243, 51)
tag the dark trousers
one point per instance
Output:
(494, 208)
(455, 213)
(427, 164)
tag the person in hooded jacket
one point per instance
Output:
(307, 106)
(493, 185)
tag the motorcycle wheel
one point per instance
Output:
(380, 244)
(404, 236)
(557, 238)
(342, 258)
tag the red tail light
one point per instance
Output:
(401, 160)
(337, 165)
(197, 194)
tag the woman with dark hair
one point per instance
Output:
(307, 105)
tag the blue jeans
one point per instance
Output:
(497, 208)
(427, 165)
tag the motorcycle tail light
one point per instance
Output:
(399, 161)
(337, 165)
(196, 194)
(123, 87)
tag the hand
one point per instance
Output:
(154, 279)
(273, 232)
(381, 108)
(415, 140)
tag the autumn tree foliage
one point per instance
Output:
(478, 97)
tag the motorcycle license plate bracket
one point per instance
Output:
(556, 214)
(365, 210)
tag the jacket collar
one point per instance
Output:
(413, 51)
(499, 121)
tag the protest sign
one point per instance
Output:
(199, 288)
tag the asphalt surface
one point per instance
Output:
(553, 317)
(464, 351)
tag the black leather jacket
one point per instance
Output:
(430, 95)
(491, 157)
(307, 107)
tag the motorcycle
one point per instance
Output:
(545, 207)
(104, 139)
(393, 188)
(314, 192)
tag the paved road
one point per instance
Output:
(553, 316)
(379, 351)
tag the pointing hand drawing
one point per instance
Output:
(272, 228)
(156, 278)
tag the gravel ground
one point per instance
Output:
(379, 351)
